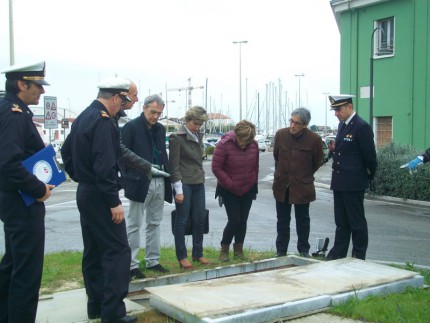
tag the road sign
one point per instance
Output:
(51, 112)
(65, 124)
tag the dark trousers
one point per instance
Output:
(107, 255)
(237, 208)
(193, 205)
(22, 264)
(350, 221)
(303, 224)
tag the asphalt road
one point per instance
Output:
(397, 232)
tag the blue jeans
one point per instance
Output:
(193, 205)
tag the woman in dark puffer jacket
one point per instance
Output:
(235, 164)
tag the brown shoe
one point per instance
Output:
(185, 264)
(201, 260)
(238, 251)
(223, 255)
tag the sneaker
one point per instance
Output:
(136, 274)
(158, 268)
(305, 254)
(281, 254)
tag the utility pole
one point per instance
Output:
(11, 37)
(240, 75)
(299, 76)
(325, 100)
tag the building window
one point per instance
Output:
(384, 37)
(384, 131)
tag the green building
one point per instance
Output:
(393, 37)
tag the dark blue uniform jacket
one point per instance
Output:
(19, 139)
(91, 152)
(354, 158)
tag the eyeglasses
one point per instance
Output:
(296, 123)
(153, 112)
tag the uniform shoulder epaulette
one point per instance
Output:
(104, 114)
(16, 108)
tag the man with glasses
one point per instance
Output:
(354, 168)
(132, 160)
(298, 155)
(146, 137)
(24, 226)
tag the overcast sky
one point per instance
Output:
(160, 44)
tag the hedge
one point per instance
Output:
(397, 182)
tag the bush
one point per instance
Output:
(210, 150)
(397, 182)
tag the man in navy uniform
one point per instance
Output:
(354, 168)
(24, 226)
(93, 158)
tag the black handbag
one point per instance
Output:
(189, 224)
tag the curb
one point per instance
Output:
(383, 198)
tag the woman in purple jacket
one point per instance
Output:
(235, 164)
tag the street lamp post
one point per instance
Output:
(240, 74)
(11, 36)
(299, 76)
(371, 78)
(325, 100)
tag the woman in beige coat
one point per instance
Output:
(188, 178)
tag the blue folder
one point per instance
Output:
(43, 165)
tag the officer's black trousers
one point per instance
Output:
(22, 264)
(107, 255)
(350, 222)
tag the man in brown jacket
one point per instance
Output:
(298, 155)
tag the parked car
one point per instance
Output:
(262, 145)
(326, 152)
(213, 140)
(330, 140)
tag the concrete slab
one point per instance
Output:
(71, 307)
(218, 272)
(269, 295)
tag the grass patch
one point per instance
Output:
(169, 261)
(412, 305)
(62, 271)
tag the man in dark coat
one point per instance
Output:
(24, 226)
(354, 167)
(146, 137)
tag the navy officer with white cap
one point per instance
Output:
(92, 157)
(24, 226)
(354, 167)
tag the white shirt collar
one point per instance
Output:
(350, 117)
